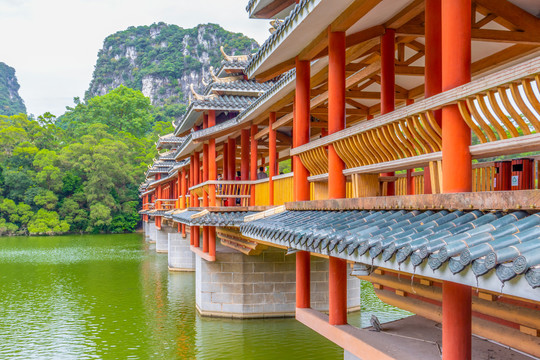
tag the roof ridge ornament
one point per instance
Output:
(233, 57)
(200, 97)
(275, 24)
(224, 79)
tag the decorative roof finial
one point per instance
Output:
(233, 57)
(275, 24)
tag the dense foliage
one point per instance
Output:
(79, 173)
(162, 60)
(10, 101)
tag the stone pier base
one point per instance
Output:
(151, 232)
(241, 286)
(181, 258)
(162, 238)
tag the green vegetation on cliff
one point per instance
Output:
(80, 173)
(10, 101)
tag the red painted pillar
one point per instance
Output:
(212, 175)
(226, 161)
(196, 176)
(272, 156)
(388, 82)
(183, 193)
(336, 111)
(301, 125)
(232, 165)
(253, 162)
(456, 164)
(411, 190)
(337, 282)
(433, 65)
(244, 146)
(301, 122)
(205, 173)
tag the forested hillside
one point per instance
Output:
(162, 61)
(10, 101)
(79, 173)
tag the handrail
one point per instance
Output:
(282, 176)
(503, 77)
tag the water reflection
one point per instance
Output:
(111, 297)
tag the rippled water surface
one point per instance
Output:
(109, 297)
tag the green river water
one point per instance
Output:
(110, 297)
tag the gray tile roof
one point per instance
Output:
(508, 242)
(235, 65)
(225, 102)
(169, 141)
(291, 21)
(213, 218)
(251, 86)
(286, 79)
(185, 216)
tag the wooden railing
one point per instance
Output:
(165, 204)
(283, 188)
(501, 109)
(227, 191)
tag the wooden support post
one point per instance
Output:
(336, 111)
(244, 146)
(231, 165)
(303, 280)
(205, 173)
(183, 194)
(456, 164)
(196, 236)
(212, 166)
(190, 182)
(337, 282)
(433, 70)
(388, 84)
(196, 176)
(272, 156)
(225, 161)
(301, 124)
(253, 162)
(337, 291)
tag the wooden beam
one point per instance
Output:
(316, 47)
(404, 16)
(357, 10)
(364, 35)
(274, 8)
(501, 58)
(275, 71)
(409, 70)
(513, 13)
(515, 37)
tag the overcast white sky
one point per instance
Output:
(53, 44)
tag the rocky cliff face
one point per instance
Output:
(163, 60)
(10, 101)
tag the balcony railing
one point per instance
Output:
(502, 111)
(165, 204)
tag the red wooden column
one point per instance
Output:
(205, 229)
(433, 65)
(301, 122)
(337, 282)
(196, 181)
(183, 193)
(226, 161)
(190, 182)
(253, 162)
(244, 160)
(212, 175)
(411, 190)
(388, 82)
(272, 156)
(456, 164)
(231, 163)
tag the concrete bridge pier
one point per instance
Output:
(181, 258)
(260, 286)
(151, 232)
(162, 238)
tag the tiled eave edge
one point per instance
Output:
(297, 15)
(183, 127)
(289, 79)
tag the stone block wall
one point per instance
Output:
(236, 285)
(181, 258)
